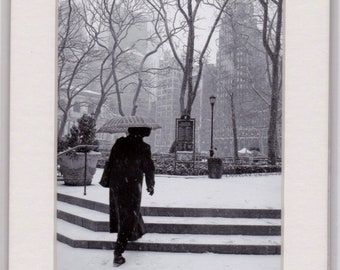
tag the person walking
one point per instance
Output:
(129, 160)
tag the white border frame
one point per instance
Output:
(305, 204)
(32, 135)
(4, 131)
(334, 136)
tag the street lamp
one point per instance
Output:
(212, 103)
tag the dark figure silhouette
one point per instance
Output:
(130, 158)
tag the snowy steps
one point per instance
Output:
(97, 221)
(231, 244)
(84, 224)
(178, 211)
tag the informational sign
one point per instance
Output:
(185, 134)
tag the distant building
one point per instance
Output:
(242, 83)
(167, 107)
(84, 103)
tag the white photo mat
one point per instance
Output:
(33, 135)
(334, 136)
(4, 149)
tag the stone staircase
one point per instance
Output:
(83, 223)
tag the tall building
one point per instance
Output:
(243, 91)
(167, 107)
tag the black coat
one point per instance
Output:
(130, 158)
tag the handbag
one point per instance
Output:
(105, 180)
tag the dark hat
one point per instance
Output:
(139, 131)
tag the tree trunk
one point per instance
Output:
(186, 74)
(274, 55)
(135, 98)
(272, 130)
(115, 79)
(233, 118)
(99, 107)
(63, 123)
(190, 64)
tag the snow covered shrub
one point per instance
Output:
(84, 133)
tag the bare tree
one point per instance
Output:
(110, 25)
(271, 37)
(245, 78)
(75, 53)
(235, 77)
(123, 64)
(157, 41)
(249, 31)
(188, 10)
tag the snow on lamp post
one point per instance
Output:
(212, 103)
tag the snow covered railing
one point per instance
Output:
(77, 147)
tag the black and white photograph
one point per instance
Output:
(169, 134)
(180, 158)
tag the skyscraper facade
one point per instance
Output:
(243, 90)
(167, 107)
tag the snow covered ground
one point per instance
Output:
(245, 192)
(251, 192)
(89, 259)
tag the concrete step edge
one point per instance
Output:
(79, 233)
(213, 229)
(99, 216)
(168, 247)
(179, 212)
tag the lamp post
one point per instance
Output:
(212, 103)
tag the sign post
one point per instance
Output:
(185, 140)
